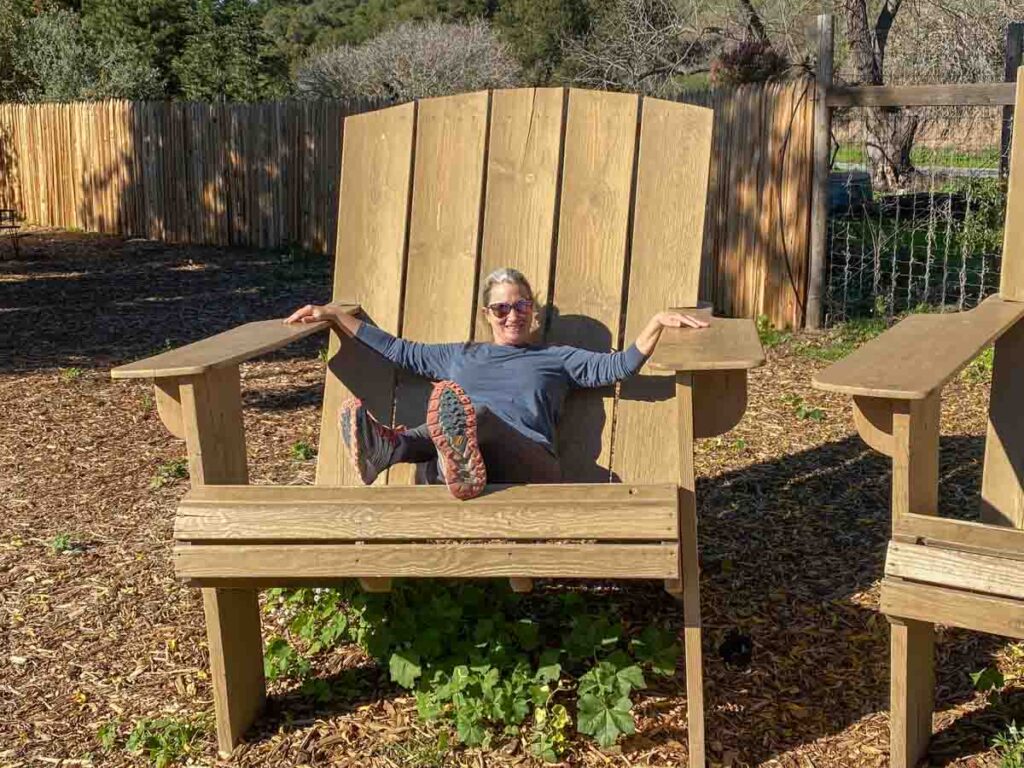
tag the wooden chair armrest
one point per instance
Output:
(915, 358)
(725, 345)
(227, 348)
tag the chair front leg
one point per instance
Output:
(211, 418)
(912, 690)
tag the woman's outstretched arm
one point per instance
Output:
(430, 360)
(648, 338)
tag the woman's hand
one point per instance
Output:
(648, 338)
(311, 313)
(672, 319)
(315, 313)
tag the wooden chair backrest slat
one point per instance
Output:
(524, 156)
(1011, 279)
(1002, 485)
(376, 173)
(671, 184)
(444, 238)
(597, 181)
(543, 180)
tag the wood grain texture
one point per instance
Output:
(987, 574)
(600, 147)
(911, 690)
(909, 362)
(224, 349)
(373, 210)
(215, 437)
(719, 401)
(915, 457)
(1002, 484)
(954, 608)
(961, 94)
(587, 561)
(523, 162)
(444, 233)
(298, 513)
(667, 242)
(1011, 276)
(211, 405)
(725, 345)
(873, 418)
(962, 535)
(236, 661)
(168, 406)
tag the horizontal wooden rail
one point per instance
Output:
(205, 564)
(967, 95)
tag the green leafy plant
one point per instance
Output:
(322, 355)
(1009, 747)
(281, 660)
(64, 543)
(980, 368)
(165, 740)
(770, 336)
(802, 409)
(987, 680)
(482, 660)
(70, 374)
(302, 451)
(106, 734)
(169, 472)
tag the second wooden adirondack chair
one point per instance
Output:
(938, 570)
(599, 198)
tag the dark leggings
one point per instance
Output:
(509, 455)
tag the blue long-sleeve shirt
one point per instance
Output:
(524, 386)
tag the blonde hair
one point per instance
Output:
(504, 275)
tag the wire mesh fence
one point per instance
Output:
(916, 208)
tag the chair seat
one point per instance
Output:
(263, 535)
(938, 584)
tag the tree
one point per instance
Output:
(537, 29)
(303, 27)
(411, 61)
(228, 56)
(156, 30)
(639, 45)
(891, 130)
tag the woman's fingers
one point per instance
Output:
(300, 315)
(679, 320)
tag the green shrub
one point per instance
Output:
(484, 660)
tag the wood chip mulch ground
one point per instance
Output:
(793, 527)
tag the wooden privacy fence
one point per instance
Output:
(266, 175)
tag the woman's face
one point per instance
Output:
(515, 328)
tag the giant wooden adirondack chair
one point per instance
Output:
(939, 570)
(599, 198)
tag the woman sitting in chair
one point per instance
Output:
(493, 411)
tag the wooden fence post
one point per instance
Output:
(819, 188)
(1014, 50)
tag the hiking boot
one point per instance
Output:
(371, 445)
(452, 424)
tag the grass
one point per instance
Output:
(980, 368)
(946, 157)
(769, 335)
(843, 339)
(68, 375)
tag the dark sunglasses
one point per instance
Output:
(502, 308)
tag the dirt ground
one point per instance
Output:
(793, 526)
